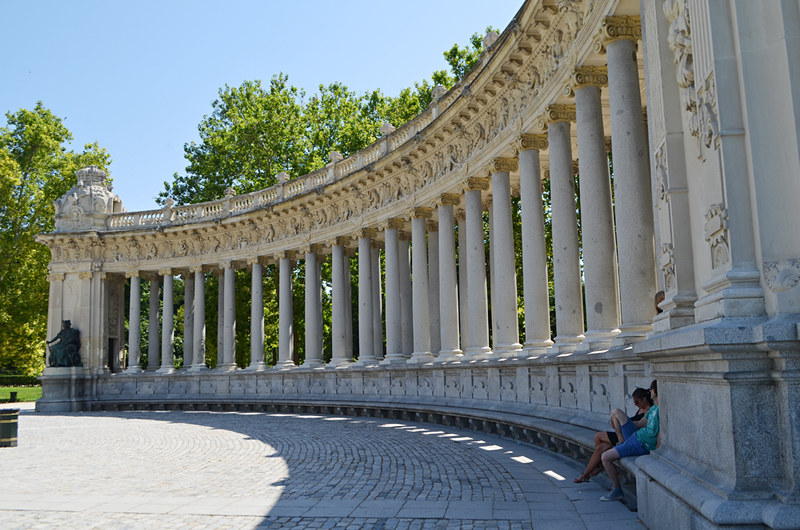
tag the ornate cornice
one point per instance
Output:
(531, 141)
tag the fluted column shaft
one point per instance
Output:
(257, 317)
(135, 325)
(420, 294)
(285, 315)
(634, 212)
(448, 290)
(188, 319)
(406, 321)
(168, 325)
(566, 263)
(478, 345)
(534, 254)
(366, 339)
(597, 221)
(153, 337)
(507, 340)
(229, 322)
(341, 356)
(199, 340)
(394, 317)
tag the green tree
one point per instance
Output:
(35, 169)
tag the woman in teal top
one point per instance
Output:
(636, 442)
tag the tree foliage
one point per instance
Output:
(35, 169)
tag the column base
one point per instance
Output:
(340, 363)
(311, 364)
(133, 370)
(450, 356)
(597, 339)
(367, 361)
(166, 370)
(423, 357)
(394, 358)
(508, 351)
(567, 344)
(230, 367)
(536, 348)
(630, 333)
(198, 368)
(478, 354)
(285, 365)
(259, 366)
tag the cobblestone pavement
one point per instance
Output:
(182, 469)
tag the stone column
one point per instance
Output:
(188, 319)
(448, 290)
(220, 315)
(419, 284)
(487, 207)
(377, 304)
(633, 205)
(534, 249)
(463, 289)
(168, 324)
(366, 338)
(478, 343)
(394, 313)
(229, 322)
(153, 337)
(256, 315)
(285, 313)
(566, 261)
(199, 340)
(341, 356)
(597, 219)
(407, 324)
(433, 288)
(313, 311)
(134, 325)
(348, 307)
(506, 343)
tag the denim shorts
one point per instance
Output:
(631, 447)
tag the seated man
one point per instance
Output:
(636, 442)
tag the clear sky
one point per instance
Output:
(138, 76)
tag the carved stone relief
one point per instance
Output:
(782, 275)
(716, 234)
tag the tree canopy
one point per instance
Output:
(35, 169)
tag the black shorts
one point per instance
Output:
(612, 437)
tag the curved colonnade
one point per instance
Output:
(559, 93)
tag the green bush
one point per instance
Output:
(19, 380)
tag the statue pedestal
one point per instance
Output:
(64, 389)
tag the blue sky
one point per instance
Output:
(138, 77)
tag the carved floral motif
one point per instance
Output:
(716, 233)
(782, 275)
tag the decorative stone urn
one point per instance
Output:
(87, 205)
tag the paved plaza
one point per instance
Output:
(181, 469)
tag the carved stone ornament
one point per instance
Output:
(667, 263)
(616, 28)
(716, 231)
(661, 174)
(589, 76)
(531, 141)
(708, 132)
(556, 113)
(782, 275)
(498, 165)
(87, 205)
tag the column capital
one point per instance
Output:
(130, 274)
(447, 199)
(557, 113)
(418, 212)
(531, 141)
(227, 264)
(85, 275)
(584, 76)
(369, 233)
(165, 272)
(475, 183)
(393, 222)
(431, 226)
(253, 261)
(312, 248)
(56, 277)
(498, 165)
(618, 28)
(280, 255)
(338, 241)
(196, 268)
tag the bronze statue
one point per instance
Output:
(66, 352)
